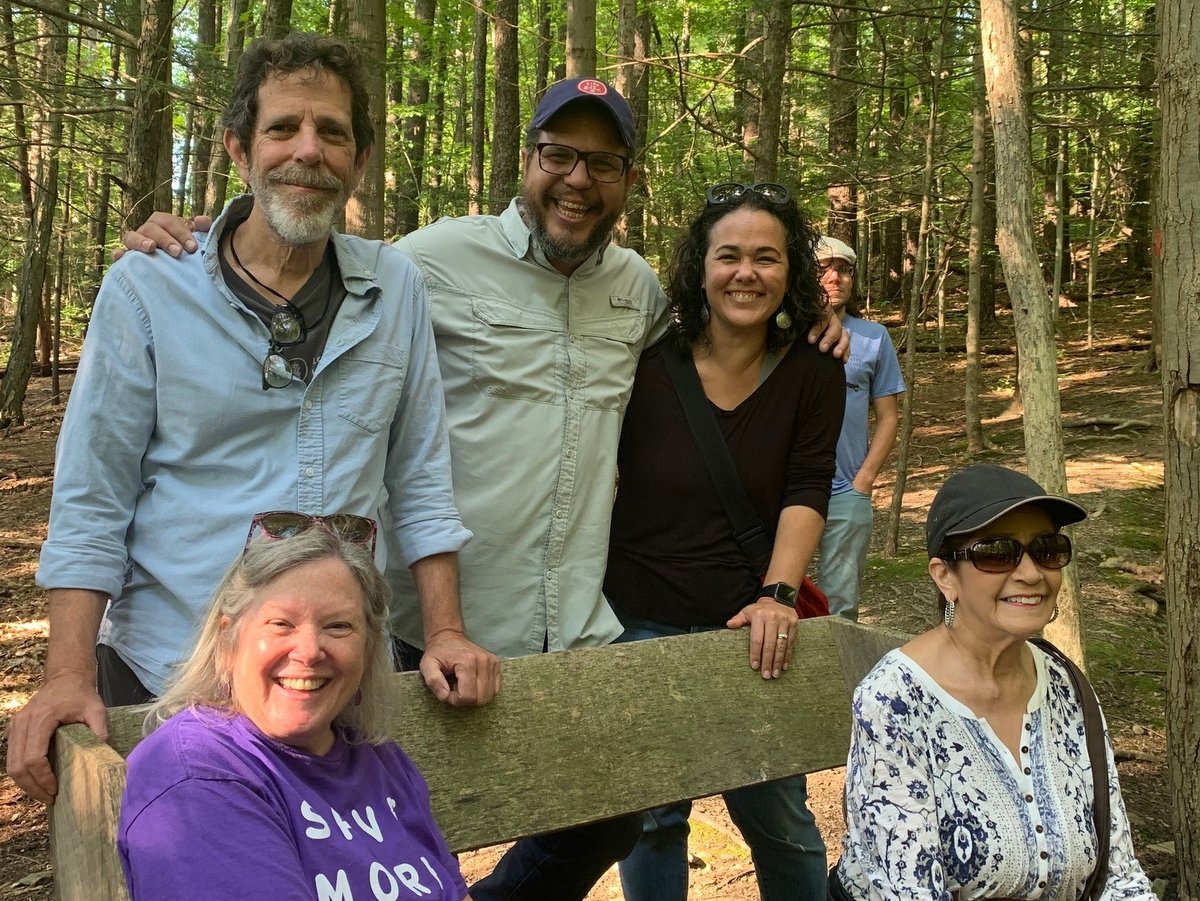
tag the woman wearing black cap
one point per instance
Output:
(968, 774)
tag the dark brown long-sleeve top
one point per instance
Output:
(672, 555)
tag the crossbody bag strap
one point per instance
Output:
(748, 528)
(1093, 725)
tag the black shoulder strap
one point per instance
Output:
(748, 529)
(1093, 725)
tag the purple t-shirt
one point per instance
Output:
(215, 809)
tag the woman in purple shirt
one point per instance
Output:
(269, 775)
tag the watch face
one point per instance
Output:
(786, 593)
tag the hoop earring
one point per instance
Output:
(948, 616)
(783, 319)
(1054, 615)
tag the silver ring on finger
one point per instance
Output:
(782, 636)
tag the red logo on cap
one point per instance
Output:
(590, 86)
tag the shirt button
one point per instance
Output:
(1028, 771)
(309, 471)
(1025, 749)
(1041, 885)
(1038, 829)
(1029, 799)
(1028, 727)
(1043, 854)
(308, 405)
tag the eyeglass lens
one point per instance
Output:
(729, 191)
(277, 372)
(1001, 555)
(287, 524)
(287, 327)
(560, 159)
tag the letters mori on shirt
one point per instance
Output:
(387, 883)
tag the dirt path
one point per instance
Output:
(1112, 415)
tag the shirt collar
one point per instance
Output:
(357, 277)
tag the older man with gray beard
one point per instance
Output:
(285, 367)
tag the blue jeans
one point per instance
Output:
(773, 817)
(557, 866)
(844, 545)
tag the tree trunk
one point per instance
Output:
(1037, 374)
(633, 79)
(506, 114)
(1142, 158)
(202, 84)
(479, 51)
(38, 234)
(437, 137)
(367, 21)
(276, 19)
(777, 29)
(146, 190)
(409, 188)
(843, 121)
(581, 39)
(235, 40)
(974, 380)
(541, 75)
(1177, 222)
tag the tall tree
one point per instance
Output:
(1037, 368)
(506, 113)
(581, 39)
(479, 49)
(843, 121)
(31, 280)
(146, 189)
(1177, 224)
(974, 382)
(777, 30)
(367, 20)
(410, 180)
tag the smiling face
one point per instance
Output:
(571, 216)
(301, 163)
(1015, 604)
(745, 270)
(300, 654)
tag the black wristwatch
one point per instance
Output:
(779, 591)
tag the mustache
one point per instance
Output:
(304, 176)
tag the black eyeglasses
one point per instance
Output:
(559, 159)
(349, 527)
(729, 191)
(287, 328)
(1003, 554)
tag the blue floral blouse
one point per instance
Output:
(936, 803)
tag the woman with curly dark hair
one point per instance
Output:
(743, 286)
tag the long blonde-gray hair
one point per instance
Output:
(203, 681)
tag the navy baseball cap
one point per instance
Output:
(981, 494)
(562, 93)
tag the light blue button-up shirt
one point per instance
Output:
(170, 445)
(538, 368)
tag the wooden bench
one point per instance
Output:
(574, 737)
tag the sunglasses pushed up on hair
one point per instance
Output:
(1003, 554)
(730, 191)
(349, 527)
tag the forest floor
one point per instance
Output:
(1112, 418)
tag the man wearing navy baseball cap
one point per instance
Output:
(539, 321)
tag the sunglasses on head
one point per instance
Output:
(729, 191)
(349, 527)
(1003, 554)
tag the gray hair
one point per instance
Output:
(203, 680)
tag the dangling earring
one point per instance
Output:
(357, 698)
(704, 314)
(1054, 615)
(783, 319)
(948, 617)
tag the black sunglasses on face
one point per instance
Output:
(729, 191)
(1003, 554)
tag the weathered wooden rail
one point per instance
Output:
(574, 737)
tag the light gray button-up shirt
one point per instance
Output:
(537, 369)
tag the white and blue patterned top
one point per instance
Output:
(936, 803)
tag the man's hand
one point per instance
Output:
(828, 330)
(864, 483)
(772, 635)
(172, 233)
(458, 671)
(67, 697)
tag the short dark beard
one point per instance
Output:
(560, 250)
